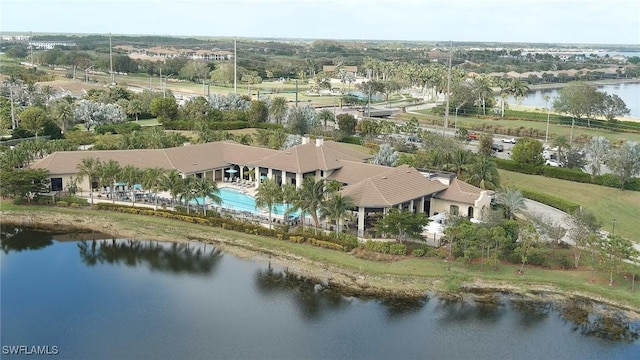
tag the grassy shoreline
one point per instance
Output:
(398, 276)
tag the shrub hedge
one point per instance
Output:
(335, 241)
(558, 203)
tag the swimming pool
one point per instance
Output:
(237, 200)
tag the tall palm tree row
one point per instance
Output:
(335, 207)
(132, 176)
(204, 188)
(109, 173)
(269, 193)
(152, 181)
(89, 168)
(174, 184)
(310, 197)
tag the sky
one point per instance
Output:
(546, 21)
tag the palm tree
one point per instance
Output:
(511, 200)
(206, 188)
(152, 181)
(174, 184)
(62, 113)
(504, 93)
(289, 194)
(131, 175)
(518, 89)
(310, 198)
(268, 194)
(91, 168)
(278, 108)
(324, 116)
(336, 208)
(134, 107)
(188, 192)
(484, 173)
(251, 174)
(460, 161)
(562, 143)
(110, 171)
(483, 89)
(48, 92)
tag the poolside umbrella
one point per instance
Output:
(232, 171)
(137, 187)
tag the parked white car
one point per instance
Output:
(553, 163)
(509, 140)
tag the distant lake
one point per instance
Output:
(628, 92)
(136, 299)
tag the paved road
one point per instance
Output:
(557, 216)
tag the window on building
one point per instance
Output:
(453, 210)
(56, 184)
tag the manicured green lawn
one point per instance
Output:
(148, 122)
(606, 203)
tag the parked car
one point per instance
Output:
(553, 163)
(472, 136)
(497, 147)
(509, 140)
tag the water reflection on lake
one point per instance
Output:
(125, 299)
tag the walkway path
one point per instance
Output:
(557, 216)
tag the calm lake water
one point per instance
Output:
(122, 299)
(629, 93)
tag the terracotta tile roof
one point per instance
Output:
(393, 187)
(186, 159)
(234, 153)
(351, 172)
(66, 162)
(310, 157)
(461, 192)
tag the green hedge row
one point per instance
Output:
(341, 242)
(577, 175)
(565, 205)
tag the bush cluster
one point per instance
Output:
(119, 128)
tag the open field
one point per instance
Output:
(273, 88)
(606, 203)
(396, 275)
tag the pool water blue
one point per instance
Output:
(237, 200)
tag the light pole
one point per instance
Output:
(86, 73)
(164, 86)
(547, 98)
(613, 228)
(446, 114)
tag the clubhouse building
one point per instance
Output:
(372, 188)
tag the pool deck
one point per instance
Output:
(249, 190)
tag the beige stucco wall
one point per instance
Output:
(443, 206)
